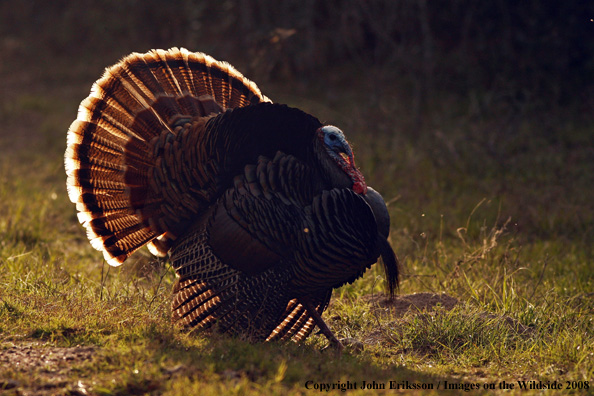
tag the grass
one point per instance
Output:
(503, 224)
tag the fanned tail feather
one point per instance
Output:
(110, 145)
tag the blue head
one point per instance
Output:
(340, 151)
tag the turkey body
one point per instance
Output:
(260, 206)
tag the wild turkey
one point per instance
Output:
(260, 206)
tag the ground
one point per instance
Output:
(51, 365)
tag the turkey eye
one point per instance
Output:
(332, 137)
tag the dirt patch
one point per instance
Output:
(45, 368)
(423, 306)
(25, 357)
(400, 305)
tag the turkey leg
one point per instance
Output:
(311, 309)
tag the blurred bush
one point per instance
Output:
(521, 50)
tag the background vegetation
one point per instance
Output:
(474, 120)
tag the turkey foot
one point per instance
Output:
(324, 329)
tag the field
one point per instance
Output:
(492, 220)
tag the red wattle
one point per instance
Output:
(360, 187)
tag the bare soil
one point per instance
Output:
(400, 305)
(42, 369)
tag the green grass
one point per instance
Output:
(506, 230)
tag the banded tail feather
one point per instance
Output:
(107, 158)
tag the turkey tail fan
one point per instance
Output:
(134, 102)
